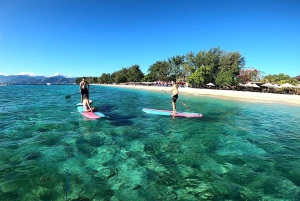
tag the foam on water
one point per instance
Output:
(236, 151)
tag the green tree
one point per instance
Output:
(190, 63)
(78, 80)
(120, 76)
(176, 64)
(148, 78)
(160, 70)
(230, 65)
(280, 79)
(134, 74)
(200, 77)
(105, 78)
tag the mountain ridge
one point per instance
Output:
(28, 79)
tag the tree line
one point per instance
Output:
(216, 66)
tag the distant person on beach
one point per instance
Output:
(84, 88)
(86, 104)
(174, 96)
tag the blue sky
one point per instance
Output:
(88, 38)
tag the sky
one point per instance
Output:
(87, 38)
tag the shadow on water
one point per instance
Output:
(120, 120)
(114, 118)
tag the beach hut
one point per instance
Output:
(248, 85)
(275, 86)
(210, 84)
(297, 87)
(269, 85)
(287, 85)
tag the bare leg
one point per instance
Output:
(174, 107)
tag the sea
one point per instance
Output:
(238, 150)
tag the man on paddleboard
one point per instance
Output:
(84, 88)
(174, 96)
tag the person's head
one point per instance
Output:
(83, 78)
(173, 81)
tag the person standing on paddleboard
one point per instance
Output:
(174, 96)
(84, 88)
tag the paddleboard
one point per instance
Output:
(169, 113)
(91, 115)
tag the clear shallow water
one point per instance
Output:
(236, 151)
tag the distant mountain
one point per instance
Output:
(26, 79)
(297, 77)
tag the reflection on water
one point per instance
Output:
(236, 151)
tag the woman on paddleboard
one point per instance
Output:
(86, 104)
(84, 88)
(174, 96)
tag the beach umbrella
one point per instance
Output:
(248, 85)
(240, 84)
(276, 86)
(255, 85)
(298, 86)
(287, 85)
(267, 85)
(210, 84)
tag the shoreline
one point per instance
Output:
(225, 94)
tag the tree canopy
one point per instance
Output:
(198, 69)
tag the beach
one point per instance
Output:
(226, 94)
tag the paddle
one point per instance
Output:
(69, 96)
(181, 102)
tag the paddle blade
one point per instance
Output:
(68, 96)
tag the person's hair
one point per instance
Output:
(174, 81)
(83, 77)
(86, 96)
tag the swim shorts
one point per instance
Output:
(84, 91)
(174, 98)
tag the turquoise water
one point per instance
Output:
(236, 151)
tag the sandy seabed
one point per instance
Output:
(227, 94)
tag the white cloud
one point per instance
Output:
(3, 74)
(57, 74)
(27, 73)
(33, 74)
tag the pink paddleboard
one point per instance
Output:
(91, 115)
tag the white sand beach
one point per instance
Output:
(227, 94)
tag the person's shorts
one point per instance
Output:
(84, 91)
(174, 98)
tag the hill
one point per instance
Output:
(26, 79)
(297, 77)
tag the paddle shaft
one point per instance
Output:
(69, 96)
